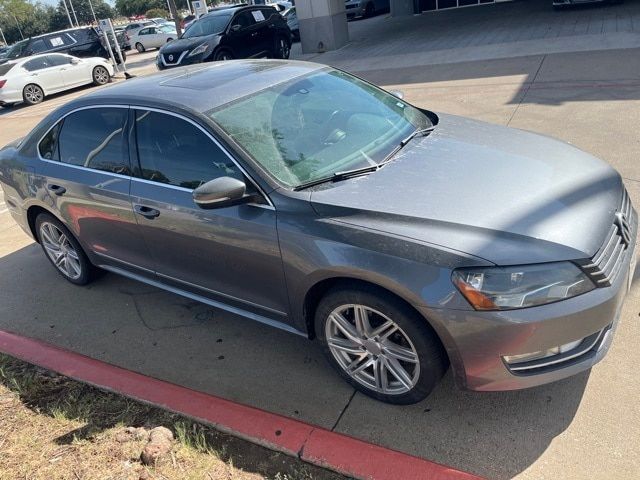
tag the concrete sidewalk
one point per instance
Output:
(584, 427)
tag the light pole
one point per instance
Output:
(73, 10)
(18, 25)
(4, 40)
(67, 10)
(93, 12)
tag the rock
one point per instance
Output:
(144, 475)
(160, 444)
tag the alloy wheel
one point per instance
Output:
(101, 76)
(60, 250)
(372, 349)
(33, 94)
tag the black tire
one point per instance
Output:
(139, 47)
(87, 270)
(413, 332)
(32, 94)
(222, 55)
(282, 49)
(100, 75)
(369, 10)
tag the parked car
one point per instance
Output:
(402, 240)
(82, 42)
(291, 17)
(30, 79)
(562, 4)
(3, 51)
(153, 37)
(366, 8)
(280, 6)
(134, 27)
(225, 34)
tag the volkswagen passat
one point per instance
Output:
(300, 196)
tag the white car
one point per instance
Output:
(30, 79)
(153, 37)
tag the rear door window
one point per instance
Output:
(36, 64)
(96, 138)
(38, 46)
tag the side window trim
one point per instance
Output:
(133, 153)
(79, 167)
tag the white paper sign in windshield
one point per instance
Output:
(258, 16)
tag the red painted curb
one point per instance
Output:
(315, 445)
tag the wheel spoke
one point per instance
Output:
(345, 327)
(359, 364)
(73, 265)
(384, 330)
(399, 372)
(380, 374)
(60, 260)
(362, 320)
(400, 353)
(346, 345)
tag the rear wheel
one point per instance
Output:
(140, 47)
(63, 250)
(379, 345)
(283, 48)
(32, 94)
(100, 75)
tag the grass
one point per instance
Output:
(54, 428)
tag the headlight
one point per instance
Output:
(198, 50)
(506, 288)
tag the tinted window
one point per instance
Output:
(267, 12)
(57, 60)
(95, 138)
(18, 49)
(173, 151)
(49, 145)
(83, 35)
(4, 69)
(36, 64)
(244, 20)
(144, 31)
(38, 46)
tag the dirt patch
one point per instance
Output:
(53, 428)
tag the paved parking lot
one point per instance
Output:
(584, 427)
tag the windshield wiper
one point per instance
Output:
(403, 143)
(337, 176)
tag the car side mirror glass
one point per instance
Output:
(235, 28)
(397, 93)
(220, 192)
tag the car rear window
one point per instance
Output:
(4, 69)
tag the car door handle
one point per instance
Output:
(254, 34)
(57, 189)
(146, 212)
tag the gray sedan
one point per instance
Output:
(302, 197)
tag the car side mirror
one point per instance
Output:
(75, 61)
(235, 28)
(397, 94)
(220, 192)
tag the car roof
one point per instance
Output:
(202, 87)
(59, 31)
(228, 9)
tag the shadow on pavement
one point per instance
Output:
(175, 339)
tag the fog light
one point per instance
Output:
(527, 357)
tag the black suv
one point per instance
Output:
(237, 32)
(80, 42)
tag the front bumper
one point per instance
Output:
(477, 341)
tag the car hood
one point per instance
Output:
(182, 44)
(505, 195)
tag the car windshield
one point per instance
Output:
(17, 50)
(207, 26)
(316, 125)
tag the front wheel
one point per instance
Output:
(140, 48)
(379, 345)
(222, 55)
(100, 76)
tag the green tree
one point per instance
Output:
(129, 8)
(157, 12)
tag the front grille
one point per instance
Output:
(608, 260)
